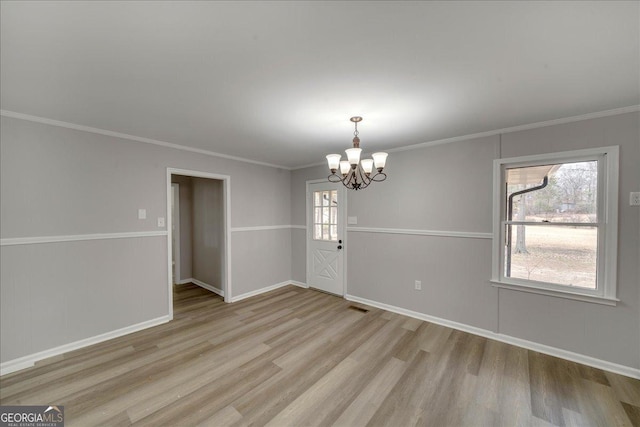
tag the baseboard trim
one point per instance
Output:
(530, 345)
(299, 284)
(266, 289)
(30, 360)
(207, 287)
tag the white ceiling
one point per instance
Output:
(276, 82)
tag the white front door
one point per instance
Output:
(326, 232)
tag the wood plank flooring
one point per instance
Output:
(298, 357)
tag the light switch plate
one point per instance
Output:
(160, 221)
(142, 214)
(634, 199)
(352, 220)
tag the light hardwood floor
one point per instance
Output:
(300, 357)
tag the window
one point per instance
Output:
(325, 215)
(555, 224)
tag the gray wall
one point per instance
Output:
(56, 181)
(208, 231)
(449, 188)
(260, 257)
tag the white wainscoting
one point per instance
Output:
(265, 227)
(438, 233)
(33, 245)
(28, 361)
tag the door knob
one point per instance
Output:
(339, 246)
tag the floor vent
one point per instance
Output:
(363, 310)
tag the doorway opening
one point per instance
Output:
(175, 231)
(199, 232)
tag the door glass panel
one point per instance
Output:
(325, 215)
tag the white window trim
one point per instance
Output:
(607, 224)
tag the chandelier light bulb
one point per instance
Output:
(367, 165)
(334, 161)
(353, 155)
(344, 167)
(380, 159)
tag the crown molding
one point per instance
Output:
(596, 115)
(58, 123)
(547, 123)
(588, 116)
(310, 165)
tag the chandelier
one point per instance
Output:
(356, 174)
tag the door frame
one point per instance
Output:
(226, 212)
(176, 210)
(342, 229)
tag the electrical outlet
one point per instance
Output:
(634, 199)
(418, 285)
(142, 214)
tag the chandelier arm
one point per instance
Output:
(364, 178)
(382, 176)
(356, 179)
(353, 181)
(334, 178)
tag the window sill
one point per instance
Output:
(578, 296)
